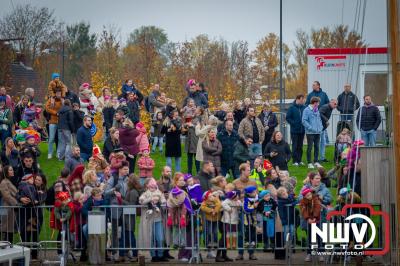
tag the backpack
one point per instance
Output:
(147, 104)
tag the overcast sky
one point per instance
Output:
(248, 20)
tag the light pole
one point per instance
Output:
(280, 59)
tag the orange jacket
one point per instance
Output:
(53, 110)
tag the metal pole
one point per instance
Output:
(63, 55)
(280, 62)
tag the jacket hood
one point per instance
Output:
(65, 109)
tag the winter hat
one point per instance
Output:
(343, 191)
(264, 193)
(267, 165)
(152, 183)
(19, 138)
(176, 191)
(29, 137)
(305, 191)
(231, 194)
(27, 177)
(250, 189)
(96, 150)
(62, 196)
(55, 75)
(23, 124)
(206, 195)
(3, 98)
(77, 173)
(186, 177)
(122, 100)
(191, 82)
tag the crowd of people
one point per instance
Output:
(237, 166)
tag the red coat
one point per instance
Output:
(56, 224)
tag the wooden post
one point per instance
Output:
(394, 21)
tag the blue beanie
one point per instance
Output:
(264, 193)
(55, 75)
(3, 98)
(250, 189)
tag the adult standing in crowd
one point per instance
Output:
(278, 151)
(74, 160)
(191, 140)
(19, 109)
(241, 152)
(368, 121)
(228, 138)
(30, 92)
(269, 121)
(317, 92)
(153, 99)
(110, 107)
(6, 120)
(325, 112)
(9, 153)
(8, 194)
(111, 143)
(65, 127)
(127, 139)
(53, 105)
(205, 175)
(84, 138)
(9, 101)
(70, 95)
(313, 127)
(294, 118)
(212, 149)
(347, 103)
(202, 127)
(195, 94)
(172, 127)
(252, 126)
(228, 117)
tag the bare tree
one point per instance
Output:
(34, 25)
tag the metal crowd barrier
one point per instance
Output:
(133, 229)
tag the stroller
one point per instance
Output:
(340, 143)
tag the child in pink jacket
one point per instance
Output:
(146, 166)
(142, 138)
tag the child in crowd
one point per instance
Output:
(290, 185)
(142, 139)
(267, 207)
(286, 208)
(189, 111)
(211, 207)
(116, 159)
(310, 209)
(178, 205)
(343, 140)
(26, 189)
(250, 220)
(56, 84)
(146, 166)
(229, 188)
(194, 190)
(158, 137)
(151, 226)
(230, 217)
(77, 204)
(30, 146)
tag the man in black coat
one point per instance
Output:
(228, 137)
(368, 121)
(65, 128)
(348, 103)
(293, 117)
(205, 175)
(269, 121)
(71, 96)
(325, 112)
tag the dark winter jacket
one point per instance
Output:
(228, 147)
(22, 170)
(84, 140)
(134, 111)
(272, 121)
(241, 152)
(239, 114)
(325, 111)
(370, 118)
(347, 103)
(294, 116)
(18, 112)
(204, 179)
(157, 125)
(12, 159)
(320, 94)
(172, 142)
(72, 97)
(286, 210)
(127, 140)
(66, 118)
(108, 115)
(108, 148)
(212, 151)
(78, 120)
(199, 99)
(283, 157)
(125, 89)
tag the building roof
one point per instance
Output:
(22, 77)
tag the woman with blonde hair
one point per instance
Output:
(90, 182)
(202, 128)
(212, 149)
